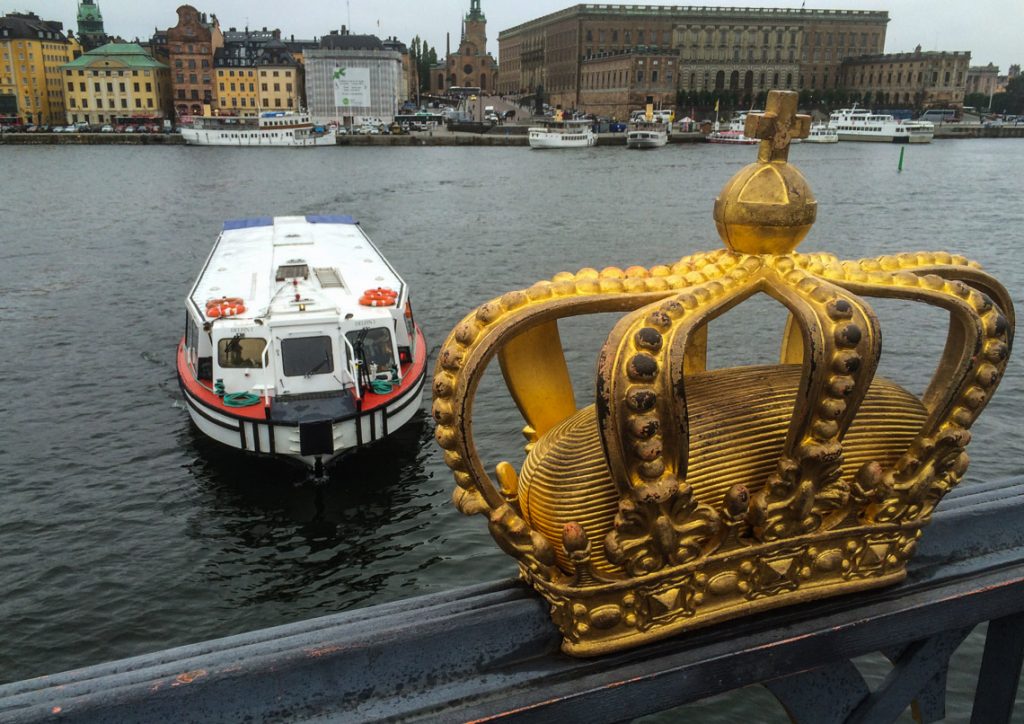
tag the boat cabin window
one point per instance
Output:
(307, 356)
(292, 271)
(373, 347)
(241, 352)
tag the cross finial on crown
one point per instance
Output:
(777, 126)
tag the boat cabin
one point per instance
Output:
(298, 306)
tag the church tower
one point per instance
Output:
(474, 30)
(471, 66)
(90, 25)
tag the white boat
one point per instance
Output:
(563, 134)
(821, 133)
(271, 128)
(733, 133)
(647, 134)
(300, 341)
(860, 124)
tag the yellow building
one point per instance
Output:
(255, 74)
(117, 81)
(32, 52)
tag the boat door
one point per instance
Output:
(307, 360)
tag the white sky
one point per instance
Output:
(993, 30)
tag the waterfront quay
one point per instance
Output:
(498, 136)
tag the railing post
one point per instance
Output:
(1000, 671)
(826, 695)
(918, 665)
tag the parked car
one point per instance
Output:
(129, 129)
(107, 129)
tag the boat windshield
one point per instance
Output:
(241, 352)
(307, 356)
(374, 348)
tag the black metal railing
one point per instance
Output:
(490, 651)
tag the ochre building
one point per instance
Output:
(746, 50)
(922, 79)
(471, 66)
(32, 52)
(256, 72)
(982, 79)
(114, 83)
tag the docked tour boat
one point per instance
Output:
(733, 133)
(300, 341)
(272, 128)
(821, 133)
(644, 133)
(649, 128)
(559, 133)
(860, 124)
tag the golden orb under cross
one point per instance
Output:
(768, 207)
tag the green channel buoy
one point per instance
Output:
(902, 149)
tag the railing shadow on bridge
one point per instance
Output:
(491, 652)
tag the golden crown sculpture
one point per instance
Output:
(684, 496)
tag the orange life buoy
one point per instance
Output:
(225, 310)
(379, 297)
(233, 301)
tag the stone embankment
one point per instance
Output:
(89, 139)
(501, 136)
(976, 130)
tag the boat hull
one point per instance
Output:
(734, 140)
(203, 137)
(252, 430)
(646, 142)
(547, 140)
(885, 138)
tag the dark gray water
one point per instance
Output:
(123, 531)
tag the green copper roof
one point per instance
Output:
(89, 12)
(131, 55)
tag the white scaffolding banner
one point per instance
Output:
(352, 87)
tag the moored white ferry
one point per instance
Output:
(860, 124)
(647, 134)
(300, 341)
(563, 134)
(734, 132)
(821, 133)
(271, 128)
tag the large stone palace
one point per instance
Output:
(600, 57)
